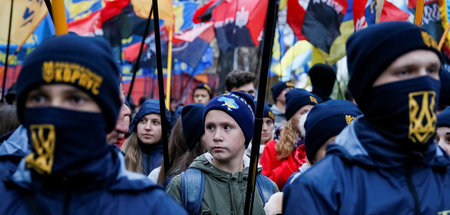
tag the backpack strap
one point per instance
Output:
(265, 187)
(192, 187)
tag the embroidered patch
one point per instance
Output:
(422, 119)
(429, 40)
(349, 119)
(229, 103)
(43, 139)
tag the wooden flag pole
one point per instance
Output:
(169, 68)
(419, 13)
(379, 9)
(59, 17)
(444, 35)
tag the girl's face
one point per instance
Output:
(149, 129)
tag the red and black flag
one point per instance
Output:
(322, 21)
(294, 17)
(236, 23)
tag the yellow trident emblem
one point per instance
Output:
(422, 119)
(43, 138)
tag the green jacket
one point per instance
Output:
(224, 192)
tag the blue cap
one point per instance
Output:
(443, 119)
(278, 87)
(371, 50)
(86, 63)
(192, 122)
(148, 107)
(296, 99)
(240, 107)
(326, 120)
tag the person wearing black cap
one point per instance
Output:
(385, 161)
(444, 95)
(202, 94)
(322, 124)
(217, 178)
(279, 91)
(143, 148)
(443, 130)
(280, 159)
(185, 144)
(68, 103)
(322, 78)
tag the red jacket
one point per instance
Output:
(281, 173)
(269, 159)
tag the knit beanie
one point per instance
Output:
(240, 107)
(268, 112)
(83, 62)
(278, 87)
(371, 50)
(192, 122)
(205, 87)
(148, 107)
(322, 78)
(326, 120)
(444, 95)
(296, 99)
(443, 119)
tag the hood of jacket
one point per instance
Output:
(384, 152)
(204, 162)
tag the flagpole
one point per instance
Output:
(419, 13)
(59, 13)
(164, 126)
(444, 35)
(169, 68)
(138, 59)
(269, 34)
(48, 4)
(379, 9)
(5, 68)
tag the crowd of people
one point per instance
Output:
(71, 144)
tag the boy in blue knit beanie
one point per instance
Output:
(68, 100)
(385, 161)
(228, 121)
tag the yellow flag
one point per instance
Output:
(165, 11)
(337, 50)
(27, 14)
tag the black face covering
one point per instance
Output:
(65, 142)
(404, 111)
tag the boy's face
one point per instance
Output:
(201, 96)
(246, 88)
(443, 138)
(149, 129)
(267, 130)
(61, 96)
(411, 65)
(224, 138)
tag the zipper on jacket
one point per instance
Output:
(413, 191)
